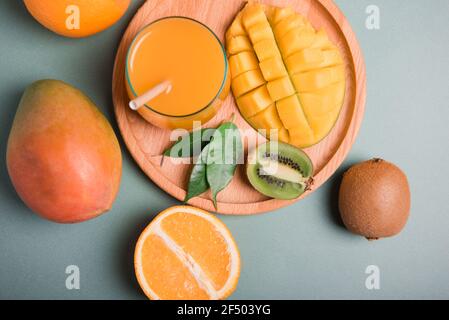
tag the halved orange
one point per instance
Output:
(186, 253)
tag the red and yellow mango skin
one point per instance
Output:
(63, 157)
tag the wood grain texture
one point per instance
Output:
(146, 142)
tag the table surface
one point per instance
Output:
(299, 252)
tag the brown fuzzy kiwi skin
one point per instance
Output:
(374, 199)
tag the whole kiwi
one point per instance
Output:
(374, 199)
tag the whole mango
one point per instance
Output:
(63, 157)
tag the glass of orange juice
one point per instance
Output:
(190, 56)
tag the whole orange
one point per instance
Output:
(77, 18)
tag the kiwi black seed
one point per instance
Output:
(280, 186)
(374, 199)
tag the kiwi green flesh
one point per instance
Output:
(273, 186)
(281, 171)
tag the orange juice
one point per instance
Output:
(190, 56)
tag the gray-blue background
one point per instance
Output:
(300, 252)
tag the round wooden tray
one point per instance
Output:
(146, 142)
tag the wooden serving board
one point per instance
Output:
(146, 143)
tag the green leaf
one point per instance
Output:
(225, 152)
(198, 181)
(190, 145)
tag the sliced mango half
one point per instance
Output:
(287, 77)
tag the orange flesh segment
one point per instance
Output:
(162, 263)
(199, 238)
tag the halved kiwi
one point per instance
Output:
(279, 170)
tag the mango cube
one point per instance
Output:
(312, 58)
(238, 44)
(266, 49)
(243, 62)
(324, 100)
(302, 138)
(260, 32)
(280, 14)
(321, 40)
(317, 79)
(296, 40)
(280, 88)
(283, 136)
(267, 120)
(254, 102)
(291, 113)
(323, 124)
(288, 24)
(247, 82)
(254, 15)
(236, 28)
(273, 68)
